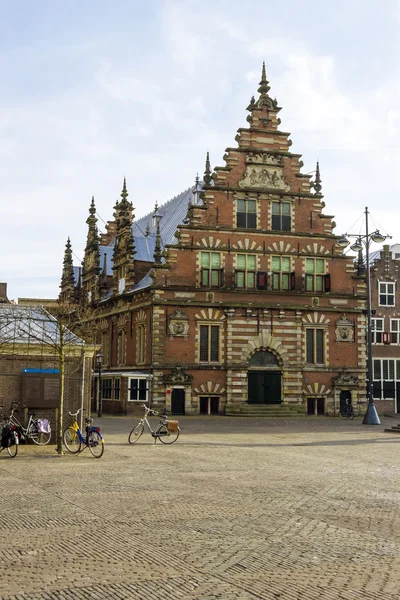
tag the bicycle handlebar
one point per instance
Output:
(77, 413)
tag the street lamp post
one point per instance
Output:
(99, 358)
(371, 416)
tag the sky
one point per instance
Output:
(92, 91)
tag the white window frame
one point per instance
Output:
(138, 378)
(395, 331)
(383, 291)
(377, 332)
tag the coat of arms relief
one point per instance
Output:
(344, 330)
(178, 324)
(264, 170)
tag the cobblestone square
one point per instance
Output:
(236, 509)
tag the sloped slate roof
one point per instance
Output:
(173, 212)
(31, 325)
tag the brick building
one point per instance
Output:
(233, 296)
(385, 302)
(30, 360)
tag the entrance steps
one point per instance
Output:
(270, 411)
(394, 429)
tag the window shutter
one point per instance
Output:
(261, 280)
(327, 282)
(293, 280)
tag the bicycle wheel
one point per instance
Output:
(136, 433)
(71, 440)
(13, 450)
(39, 438)
(351, 414)
(95, 444)
(167, 437)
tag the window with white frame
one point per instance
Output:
(395, 331)
(245, 274)
(138, 389)
(386, 293)
(377, 331)
(386, 378)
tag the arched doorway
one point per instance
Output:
(264, 379)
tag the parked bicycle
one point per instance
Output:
(75, 442)
(9, 437)
(167, 431)
(37, 430)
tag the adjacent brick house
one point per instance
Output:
(385, 302)
(30, 352)
(233, 295)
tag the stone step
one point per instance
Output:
(267, 416)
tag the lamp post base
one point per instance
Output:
(371, 416)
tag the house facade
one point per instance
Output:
(234, 295)
(385, 303)
(31, 353)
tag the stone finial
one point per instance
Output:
(207, 172)
(264, 87)
(317, 183)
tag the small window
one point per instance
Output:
(315, 346)
(140, 343)
(246, 214)
(245, 274)
(281, 216)
(138, 390)
(315, 278)
(209, 343)
(281, 273)
(395, 331)
(211, 271)
(377, 331)
(386, 294)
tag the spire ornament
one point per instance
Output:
(264, 87)
(317, 183)
(157, 249)
(207, 173)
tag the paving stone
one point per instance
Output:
(237, 509)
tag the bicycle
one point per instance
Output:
(37, 430)
(348, 414)
(76, 443)
(9, 437)
(167, 431)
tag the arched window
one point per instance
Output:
(263, 358)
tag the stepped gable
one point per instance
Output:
(261, 168)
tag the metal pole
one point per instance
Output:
(99, 406)
(371, 416)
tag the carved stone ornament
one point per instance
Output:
(178, 324)
(344, 330)
(178, 376)
(258, 176)
(345, 380)
(264, 159)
